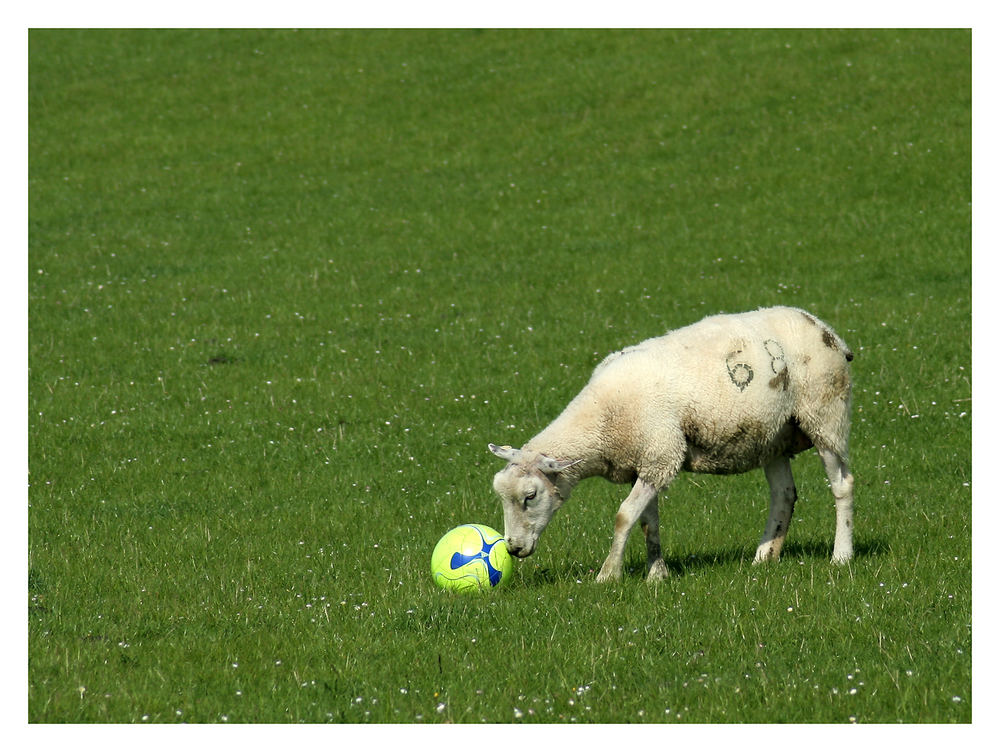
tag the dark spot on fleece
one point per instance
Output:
(840, 384)
(780, 381)
(831, 341)
(736, 452)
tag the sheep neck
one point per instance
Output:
(566, 439)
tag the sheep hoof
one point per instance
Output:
(658, 571)
(609, 576)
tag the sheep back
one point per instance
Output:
(723, 395)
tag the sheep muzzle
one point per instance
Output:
(520, 549)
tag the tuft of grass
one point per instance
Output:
(286, 285)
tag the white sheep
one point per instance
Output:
(724, 395)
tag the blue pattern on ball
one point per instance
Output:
(459, 559)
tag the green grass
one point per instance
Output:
(284, 287)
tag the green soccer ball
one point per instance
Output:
(471, 557)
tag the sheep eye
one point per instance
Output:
(530, 495)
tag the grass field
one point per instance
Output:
(284, 287)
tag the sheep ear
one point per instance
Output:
(506, 453)
(551, 466)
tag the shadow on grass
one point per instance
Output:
(635, 567)
(821, 550)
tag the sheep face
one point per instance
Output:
(530, 495)
(529, 500)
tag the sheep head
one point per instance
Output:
(531, 492)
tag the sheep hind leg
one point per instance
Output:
(783, 497)
(650, 520)
(842, 486)
(629, 512)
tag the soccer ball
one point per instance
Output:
(471, 557)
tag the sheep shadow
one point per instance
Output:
(819, 550)
(635, 566)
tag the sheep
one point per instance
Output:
(725, 395)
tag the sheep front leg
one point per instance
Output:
(628, 514)
(783, 496)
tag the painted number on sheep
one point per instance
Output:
(777, 354)
(778, 366)
(741, 374)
